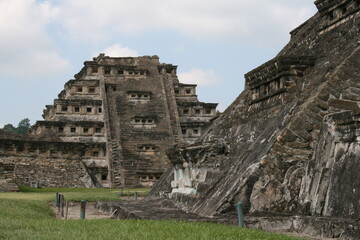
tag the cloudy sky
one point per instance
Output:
(213, 42)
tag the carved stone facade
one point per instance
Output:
(119, 115)
(277, 78)
(289, 143)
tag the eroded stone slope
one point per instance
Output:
(276, 148)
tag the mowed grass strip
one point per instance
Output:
(21, 218)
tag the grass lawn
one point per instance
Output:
(26, 215)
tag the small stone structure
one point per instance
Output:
(110, 126)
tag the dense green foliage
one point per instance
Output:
(22, 127)
(23, 218)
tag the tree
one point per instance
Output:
(22, 127)
(9, 127)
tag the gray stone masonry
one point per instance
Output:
(289, 144)
(7, 178)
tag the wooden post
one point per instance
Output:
(135, 196)
(62, 206)
(82, 209)
(67, 210)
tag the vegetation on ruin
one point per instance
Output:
(26, 215)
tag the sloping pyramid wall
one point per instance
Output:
(278, 147)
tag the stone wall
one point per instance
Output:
(50, 164)
(49, 172)
(7, 178)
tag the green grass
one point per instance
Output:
(26, 215)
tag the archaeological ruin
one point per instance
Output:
(289, 144)
(109, 127)
(287, 148)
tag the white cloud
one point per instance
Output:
(26, 48)
(117, 50)
(1, 125)
(217, 19)
(199, 77)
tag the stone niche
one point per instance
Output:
(276, 77)
(81, 89)
(144, 122)
(148, 149)
(96, 69)
(139, 96)
(168, 69)
(336, 11)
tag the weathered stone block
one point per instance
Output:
(298, 145)
(350, 96)
(343, 104)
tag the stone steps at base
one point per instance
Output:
(154, 209)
